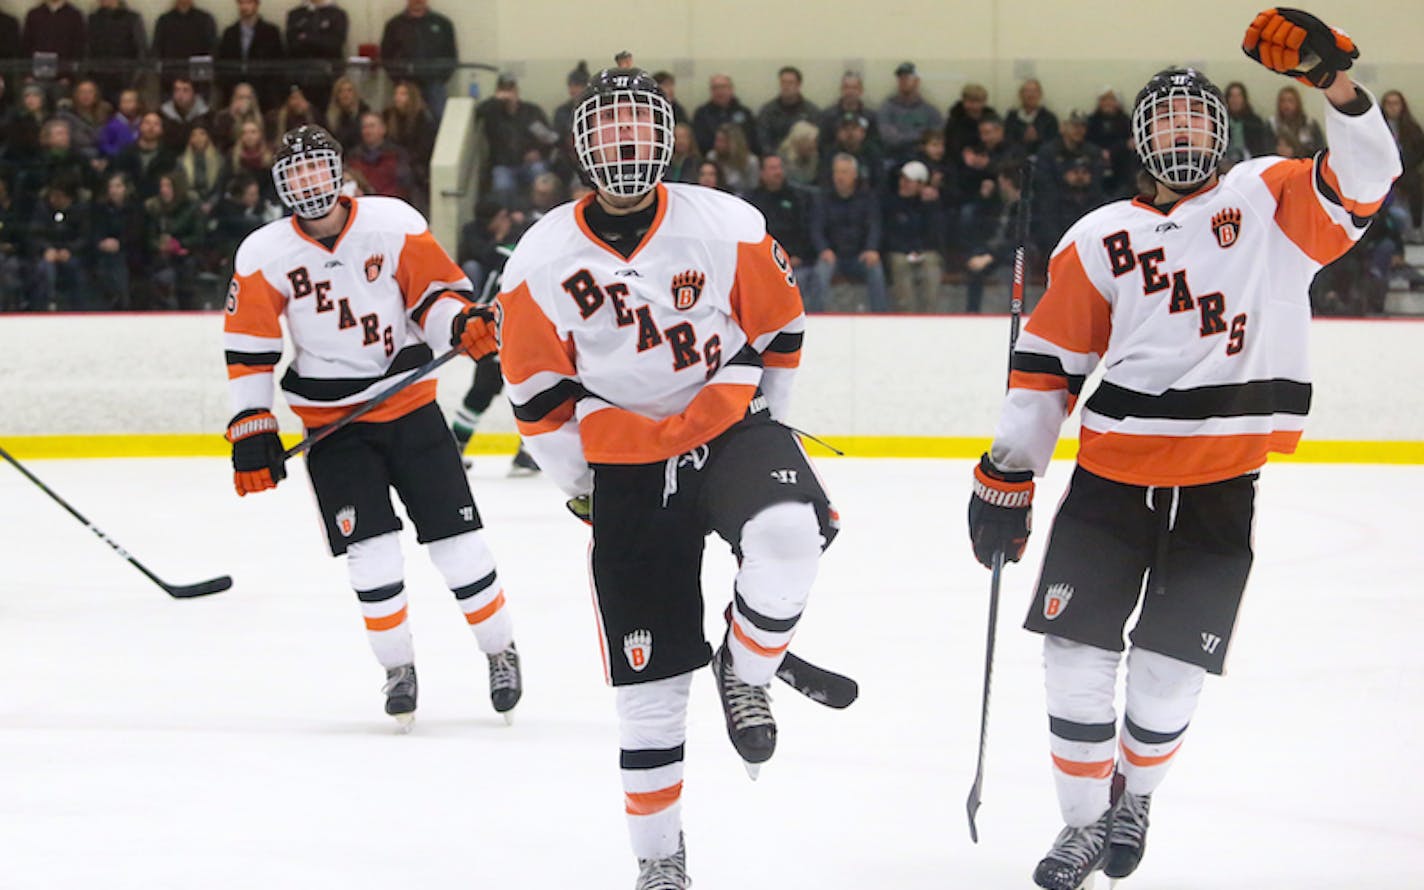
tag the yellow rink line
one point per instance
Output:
(213, 445)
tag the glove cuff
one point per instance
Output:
(252, 422)
(1013, 489)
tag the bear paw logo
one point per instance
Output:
(1056, 600)
(1226, 225)
(373, 266)
(687, 288)
(346, 521)
(638, 648)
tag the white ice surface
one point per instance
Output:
(237, 742)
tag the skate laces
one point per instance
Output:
(748, 705)
(1130, 819)
(1079, 846)
(400, 680)
(504, 670)
(667, 873)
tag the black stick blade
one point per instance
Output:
(973, 806)
(203, 588)
(818, 684)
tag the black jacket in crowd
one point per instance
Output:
(419, 47)
(66, 229)
(232, 64)
(708, 117)
(117, 42)
(847, 226)
(788, 218)
(317, 33)
(126, 223)
(911, 225)
(61, 31)
(9, 36)
(178, 35)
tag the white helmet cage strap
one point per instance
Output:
(309, 182)
(623, 139)
(1181, 134)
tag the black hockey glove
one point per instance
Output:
(1000, 512)
(474, 330)
(257, 461)
(1299, 45)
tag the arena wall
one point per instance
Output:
(929, 386)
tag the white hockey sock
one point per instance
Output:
(781, 550)
(1080, 682)
(468, 568)
(375, 567)
(652, 727)
(1162, 695)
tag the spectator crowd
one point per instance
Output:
(130, 172)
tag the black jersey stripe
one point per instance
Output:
(649, 758)
(256, 359)
(1081, 732)
(1330, 194)
(469, 590)
(1147, 736)
(381, 594)
(765, 622)
(1037, 363)
(1254, 399)
(746, 356)
(332, 389)
(542, 405)
(785, 342)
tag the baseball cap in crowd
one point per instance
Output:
(506, 79)
(1076, 116)
(579, 76)
(1079, 162)
(850, 117)
(905, 68)
(915, 171)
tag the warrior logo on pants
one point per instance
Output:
(1056, 600)
(638, 648)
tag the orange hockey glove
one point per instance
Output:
(474, 331)
(1299, 45)
(257, 462)
(1000, 512)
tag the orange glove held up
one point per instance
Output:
(1299, 45)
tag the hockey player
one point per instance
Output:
(1195, 297)
(364, 288)
(649, 334)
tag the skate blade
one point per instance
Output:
(753, 769)
(404, 722)
(508, 717)
(1088, 881)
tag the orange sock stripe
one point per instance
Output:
(646, 803)
(1098, 769)
(1138, 760)
(757, 648)
(479, 615)
(392, 620)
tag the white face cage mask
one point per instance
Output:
(623, 139)
(310, 182)
(1190, 128)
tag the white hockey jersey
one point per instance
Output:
(357, 313)
(661, 351)
(1200, 314)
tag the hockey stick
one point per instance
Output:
(816, 683)
(366, 407)
(1015, 312)
(178, 591)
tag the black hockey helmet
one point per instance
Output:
(1180, 127)
(622, 131)
(307, 171)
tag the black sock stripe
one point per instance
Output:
(770, 625)
(381, 594)
(1147, 736)
(469, 590)
(649, 758)
(1081, 732)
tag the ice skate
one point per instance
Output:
(506, 684)
(523, 463)
(668, 873)
(747, 708)
(401, 690)
(1075, 855)
(1127, 840)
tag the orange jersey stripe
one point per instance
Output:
(1073, 314)
(1140, 760)
(479, 615)
(236, 371)
(764, 299)
(1299, 214)
(1356, 207)
(616, 436)
(756, 647)
(422, 263)
(1098, 769)
(417, 395)
(1179, 460)
(1036, 381)
(646, 803)
(392, 620)
(256, 308)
